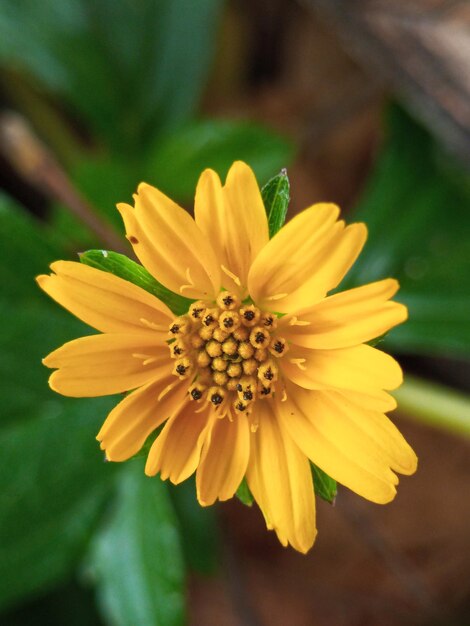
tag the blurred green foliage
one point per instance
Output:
(416, 209)
(132, 75)
(137, 558)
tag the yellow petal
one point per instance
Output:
(224, 459)
(348, 318)
(378, 401)
(127, 427)
(280, 479)
(289, 258)
(357, 457)
(377, 428)
(361, 368)
(101, 365)
(330, 268)
(102, 300)
(170, 244)
(234, 219)
(177, 449)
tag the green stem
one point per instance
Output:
(435, 405)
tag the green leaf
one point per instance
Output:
(122, 266)
(137, 558)
(276, 196)
(419, 232)
(26, 250)
(54, 485)
(177, 161)
(325, 487)
(132, 69)
(51, 468)
(244, 494)
(27, 334)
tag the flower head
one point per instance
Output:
(262, 373)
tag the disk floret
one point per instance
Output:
(228, 350)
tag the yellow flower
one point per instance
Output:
(263, 373)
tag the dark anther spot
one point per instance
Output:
(248, 395)
(268, 321)
(279, 347)
(249, 315)
(177, 350)
(228, 300)
(259, 337)
(133, 239)
(216, 399)
(268, 374)
(175, 329)
(239, 387)
(208, 320)
(196, 394)
(197, 312)
(240, 406)
(265, 391)
(228, 322)
(181, 369)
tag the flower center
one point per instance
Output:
(229, 352)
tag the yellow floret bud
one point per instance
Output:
(240, 406)
(203, 359)
(220, 335)
(196, 391)
(196, 310)
(259, 337)
(268, 321)
(261, 355)
(216, 395)
(232, 384)
(229, 320)
(230, 346)
(219, 364)
(182, 368)
(264, 390)
(249, 315)
(245, 350)
(246, 389)
(268, 371)
(220, 378)
(180, 326)
(210, 318)
(234, 370)
(196, 341)
(214, 348)
(278, 346)
(228, 301)
(250, 366)
(241, 333)
(177, 349)
(206, 332)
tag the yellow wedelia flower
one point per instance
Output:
(263, 373)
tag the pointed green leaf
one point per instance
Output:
(137, 558)
(276, 196)
(244, 494)
(325, 486)
(122, 266)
